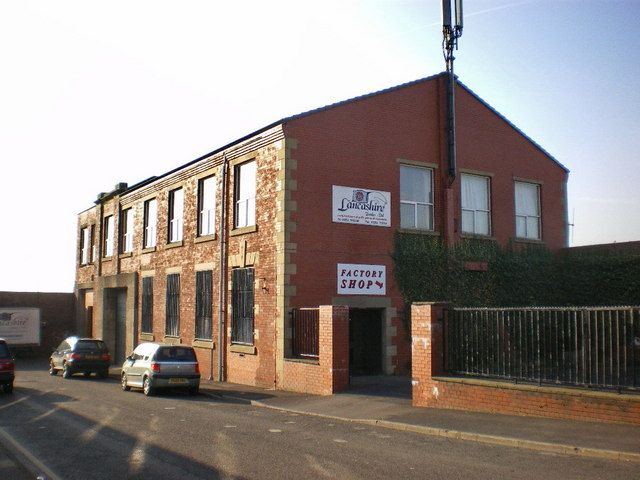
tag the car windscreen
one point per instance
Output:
(90, 345)
(175, 354)
(4, 351)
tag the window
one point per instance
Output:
(147, 305)
(242, 305)
(126, 231)
(176, 209)
(108, 236)
(207, 206)
(416, 198)
(85, 245)
(172, 326)
(245, 195)
(93, 253)
(150, 221)
(527, 210)
(204, 304)
(476, 206)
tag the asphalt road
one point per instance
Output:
(89, 429)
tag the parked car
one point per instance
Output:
(154, 366)
(80, 355)
(7, 367)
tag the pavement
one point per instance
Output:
(386, 402)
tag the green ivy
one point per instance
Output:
(428, 270)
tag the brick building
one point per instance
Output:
(302, 213)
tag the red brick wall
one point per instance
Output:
(495, 397)
(331, 373)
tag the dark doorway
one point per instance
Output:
(365, 341)
(115, 321)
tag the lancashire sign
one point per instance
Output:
(20, 326)
(362, 207)
(356, 279)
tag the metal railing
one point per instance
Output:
(305, 323)
(597, 347)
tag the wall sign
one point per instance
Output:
(360, 206)
(20, 326)
(356, 279)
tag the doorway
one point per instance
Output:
(115, 322)
(365, 341)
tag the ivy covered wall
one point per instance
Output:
(480, 273)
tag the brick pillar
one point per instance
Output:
(427, 348)
(334, 347)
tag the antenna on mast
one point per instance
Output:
(451, 33)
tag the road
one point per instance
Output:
(89, 429)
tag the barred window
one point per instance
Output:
(172, 324)
(147, 305)
(242, 280)
(204, 304)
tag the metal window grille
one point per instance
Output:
(305, 332)
(147, 305)
(596, 347)
(242, 280)
(204, 304)
(172, 326)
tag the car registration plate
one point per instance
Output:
(92, 357)
(178, 381)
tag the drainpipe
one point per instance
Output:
(223, 273)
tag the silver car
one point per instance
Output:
(154, 366)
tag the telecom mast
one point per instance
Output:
(451, 32)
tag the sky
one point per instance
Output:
(96, 93)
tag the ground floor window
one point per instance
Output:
(172, 326)
(242, 291)
(147, 305)
(204, 304)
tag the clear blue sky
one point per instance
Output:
(92, 94)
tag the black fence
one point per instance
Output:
(590, 347)
(305, 326)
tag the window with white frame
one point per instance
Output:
(126, 228)
(476, 204)
(150, 222)
(85, 245)
(107, 236)
(245, 195)
(416, 198)
(176, 210)
(527, 210)
(207, 206)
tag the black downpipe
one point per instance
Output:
(451, 124)
(222, 272)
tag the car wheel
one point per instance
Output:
(123, 383)
(66, 371)
(8, 387)
(52, 369)
(193, 391)
(146, 387)
(104, 373)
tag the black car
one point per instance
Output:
(80, 355)
(7, 367)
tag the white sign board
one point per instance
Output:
(356, 279)
(20, 326)
(362, 207)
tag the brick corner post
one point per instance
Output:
(427, 348)
(334, 347)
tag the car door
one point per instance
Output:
(134, 366)
(56, 356)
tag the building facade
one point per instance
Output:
(221, 252)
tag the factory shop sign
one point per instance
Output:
(20, 326)
(356, 279)
(362, 207)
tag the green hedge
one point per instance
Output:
(427, 270)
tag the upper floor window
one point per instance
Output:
(527, 210)
(245, 195)
(207, 206)
(476, 204)
(150, 222)
(416, 198)
(107, 236)
(85, 245)
(176, 211)
(126, 231)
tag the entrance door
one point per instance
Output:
(365, 341)
(115, 321)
